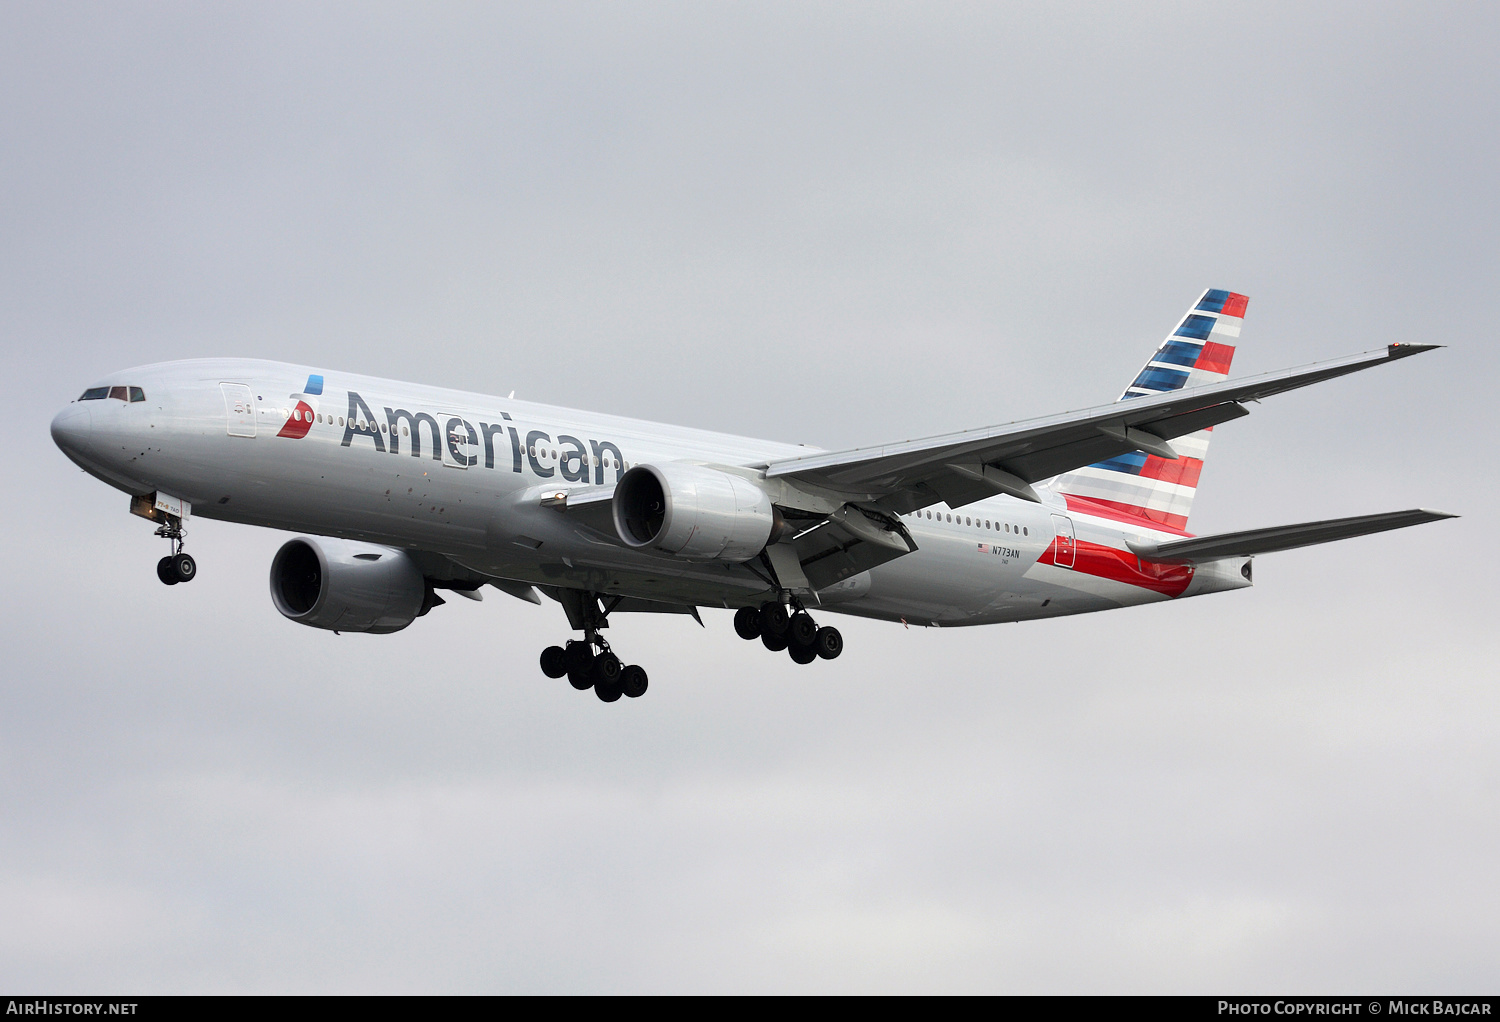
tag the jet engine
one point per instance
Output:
(347, 586)
(696, 513)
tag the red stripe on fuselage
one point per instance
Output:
(1123, 566)
(1128, 513)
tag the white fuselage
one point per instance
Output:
(474, 494)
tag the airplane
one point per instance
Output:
(404, 491)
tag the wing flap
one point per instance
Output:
(1281, 537)
(845, 543)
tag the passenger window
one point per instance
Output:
(95, 394)
(1026, 532)
(119, 393)
(137, 394)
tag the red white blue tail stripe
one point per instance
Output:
(1145, 488)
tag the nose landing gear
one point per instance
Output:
(176, 566)
(168, 513)
(795, 632)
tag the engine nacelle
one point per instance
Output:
(694, 512)
(347, 586)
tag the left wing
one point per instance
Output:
(960, 468)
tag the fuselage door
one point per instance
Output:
(1065, 548)
(239, 405)
(460, 441)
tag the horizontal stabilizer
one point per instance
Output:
(1281, 537)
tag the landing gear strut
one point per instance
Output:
(591, 664)
(176, 566)
(796, 632)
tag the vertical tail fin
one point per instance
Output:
(1145, 488)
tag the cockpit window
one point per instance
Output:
(118, 393)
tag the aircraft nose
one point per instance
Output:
(71, 429)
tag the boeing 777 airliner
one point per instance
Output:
(407, 490)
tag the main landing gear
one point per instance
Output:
(591, 664)
(794, 631)
(176, 566)
(602, 671)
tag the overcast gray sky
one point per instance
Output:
(833, 224)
